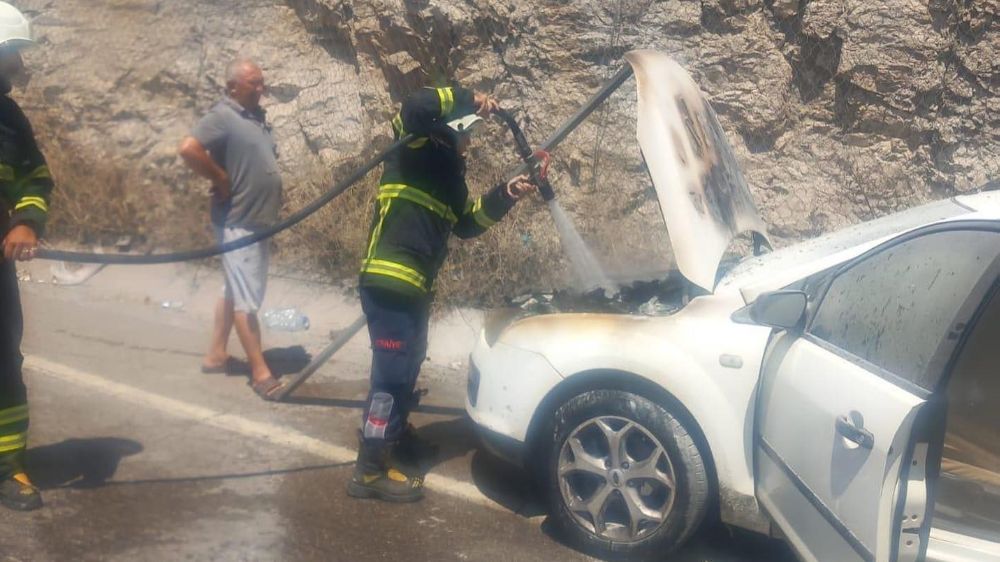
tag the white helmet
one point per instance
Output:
(465, 124)
(15, 30)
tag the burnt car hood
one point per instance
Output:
(702, 193)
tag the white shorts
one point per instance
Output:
(245, 271)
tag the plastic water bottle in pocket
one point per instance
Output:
(285, 320)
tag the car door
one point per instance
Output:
(843, 427)
(966, 524)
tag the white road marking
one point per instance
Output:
(238, 424)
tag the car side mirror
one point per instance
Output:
(779, 309)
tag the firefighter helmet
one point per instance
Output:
(15, 30)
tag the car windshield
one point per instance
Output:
(855, 235)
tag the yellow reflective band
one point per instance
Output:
(480, 216)
(13, 415)
(414, 195)
(387, 272)
(377, 231)
(447, 97)
(398, 267)
(6, 173)
(39, 172)
(32, 201)
(396, 271)
(13, 442)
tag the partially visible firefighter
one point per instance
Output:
(25, 185)
(422, 200)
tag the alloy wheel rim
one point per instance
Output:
(616, 479)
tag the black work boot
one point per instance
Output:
(19, 494)
(375, 477)
(413, 450)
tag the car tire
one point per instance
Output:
(677, 492)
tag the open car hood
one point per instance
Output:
(703, 196)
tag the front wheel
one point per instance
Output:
(625, 477)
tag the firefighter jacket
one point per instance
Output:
(25, 182)
(423, 197)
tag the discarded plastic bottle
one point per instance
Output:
(285, 320)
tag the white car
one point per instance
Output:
(842, 393)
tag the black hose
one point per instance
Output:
(623, 74)
(524, 150)
(188, 255)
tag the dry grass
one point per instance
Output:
(91, 203)
(99, 199)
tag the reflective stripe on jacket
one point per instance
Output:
(410, 230)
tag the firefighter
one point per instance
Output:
(422, 200)
(25, 185)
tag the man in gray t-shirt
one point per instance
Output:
(232, 146)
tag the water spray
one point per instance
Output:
(588, 269)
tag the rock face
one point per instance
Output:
(841, 110)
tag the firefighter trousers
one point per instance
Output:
(397, 325)
(13, 395)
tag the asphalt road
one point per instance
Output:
(141, 457)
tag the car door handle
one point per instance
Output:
(857, 435)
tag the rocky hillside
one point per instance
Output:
(841, 110)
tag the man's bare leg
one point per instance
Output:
(217, 355)
(248, 330)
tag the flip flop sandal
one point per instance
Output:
(267, 389)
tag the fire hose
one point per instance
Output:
(535, 163)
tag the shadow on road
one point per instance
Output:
(507, 485)
(79, 463)
(281, 360)
(714, 542)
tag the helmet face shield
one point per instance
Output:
(465, 125)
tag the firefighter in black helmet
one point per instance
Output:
(422, 200)
(25, 185)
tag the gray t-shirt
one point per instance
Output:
(240, 141)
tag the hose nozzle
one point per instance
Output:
(536, 161)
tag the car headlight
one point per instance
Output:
(497, 321)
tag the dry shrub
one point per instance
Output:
(98, 199)
(91, 202)
(333, 239)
